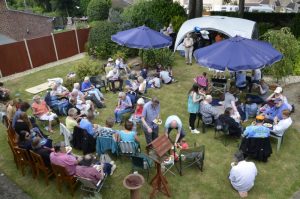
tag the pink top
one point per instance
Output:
(40, 109)
(88, 172)
(65, 160)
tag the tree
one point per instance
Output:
(286, 43)
(155, 14)
(241, 8)
(98, 10)
(199, 8)
(65, 7)
(192, 5)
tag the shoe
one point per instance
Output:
(190, 128)
(112, 162)
(113, 168)
(195, 131)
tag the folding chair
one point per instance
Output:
(279, 139)
(62, 176)
(222, 129)
(89, 186)
(66, 133)
(24, 160)
(218, 85)
(192, 156)
(128, 148)
(98, 82)
(140, 162)
(168, 166)
(40, 166)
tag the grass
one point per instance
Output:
(278, 178)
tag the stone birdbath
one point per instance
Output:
(134, 182)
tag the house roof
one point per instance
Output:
(291, 5)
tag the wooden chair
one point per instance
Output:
(62, 176)
(40, 166)
(24, 160)
(11, 146)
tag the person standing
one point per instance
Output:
(242, 174)
(188, 44)
(174, 122)
(151, 112)
(194, 100)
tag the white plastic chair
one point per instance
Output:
(67, 134)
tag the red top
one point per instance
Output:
(139, 110)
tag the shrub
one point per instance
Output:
(163, 56)
(87, 68)
(154, 14)
(98, 10)
(286, 43)
(264, 27)
(100, 44)
(177, 21)
(83, 6)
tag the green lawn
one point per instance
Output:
(279, 178)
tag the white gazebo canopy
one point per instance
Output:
(229, 26)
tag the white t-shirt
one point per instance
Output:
(282, 126)
(257, 75)
(156, 82)
(242, 176)
(165, 76)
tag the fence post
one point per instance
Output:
(77, 40)
(28, 53)
(1, 74)
(55, 50)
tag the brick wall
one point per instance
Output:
(19, 25)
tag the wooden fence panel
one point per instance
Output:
(83, 35)
(66, 44)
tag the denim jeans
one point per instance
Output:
(120, 113)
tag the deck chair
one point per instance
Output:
(218, 85)
(62, 177)
(24, 160)
(66, 133)
(89, 186)
(98, 82)
(40, 166)
(140, 162)
(190, 157)
(128, 148)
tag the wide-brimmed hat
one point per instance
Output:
(110, 59)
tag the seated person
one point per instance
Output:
(121, 65)
(263, 90)
(165, 77)
(240, 81)
(209, 113)
(278, 94)
(88, 87)
(24, 124)
(131, 94)
(110, 63)
(58, 90)
(72, 119)
(11, 109)
(144, 73)
(23, 107)
(154, 82)
(107, 131)
(242, 174)
(86, 123)
(25, 140)
(70, 163)
(85, 106)
(276, 110)
(112, 77)
(128, 135)
(42, 111)
(124, 106)
(4, 92)
(250, 109)
(255, 78)
(257, 130)
(280, 126)
(142, 85)
(138, 113)
(202, 80)
(87, 96)
(174, 122)
(234, 128)
(44, 152)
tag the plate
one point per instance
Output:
(268, 125)
(157, 121)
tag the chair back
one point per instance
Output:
(97, 81)
(61, 173)
(77, 137)
(23, 156)
(37, 160)
(66, 133)
(127, 148)
(137, 161)
(5, 121)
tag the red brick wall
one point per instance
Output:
(15, 24)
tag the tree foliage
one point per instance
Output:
(98, 10)
(286, 43)
(154, 14)
(163, 56)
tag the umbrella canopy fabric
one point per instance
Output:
(237, 54)
(142, 38)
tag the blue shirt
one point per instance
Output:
(276, 111)
(250, 110)
(16, 117)
(256, 132)
(85, 85)
(87, 125)
(150, 113)
(241, 79)
(127, 136)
